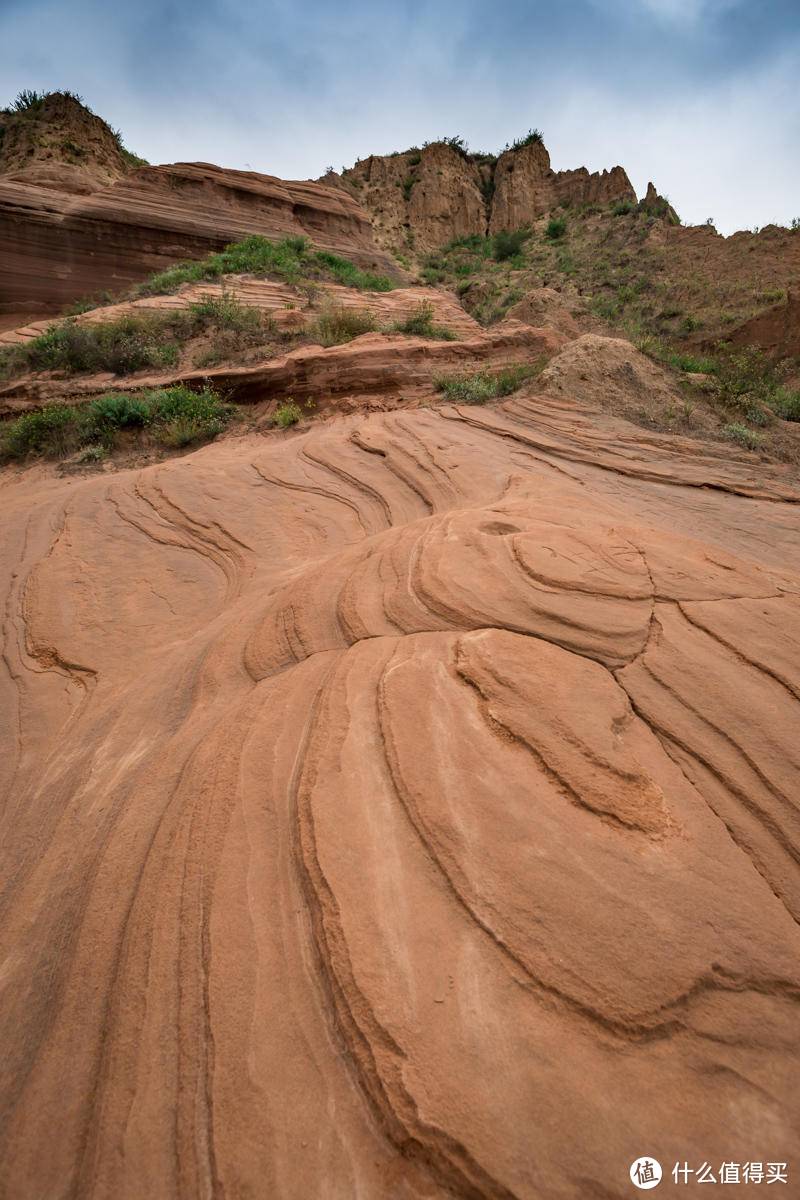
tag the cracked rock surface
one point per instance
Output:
(406, 807)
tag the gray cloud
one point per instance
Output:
(698, 95)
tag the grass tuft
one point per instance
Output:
(173, 417)
(479, 387)
(338, 324)
(420, 323)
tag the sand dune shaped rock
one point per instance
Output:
(402, 808)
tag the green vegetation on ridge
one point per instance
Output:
(173, 417)
(292, 259)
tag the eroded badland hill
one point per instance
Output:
(400, 678)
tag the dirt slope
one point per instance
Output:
(401, 808)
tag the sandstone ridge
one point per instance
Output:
(423, 198)
(72, 228)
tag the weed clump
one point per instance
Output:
(338, 324)
(479, 387)
(741, 435)
(420, 323)
(173, 417)
(287, 414)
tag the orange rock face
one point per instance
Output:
(72, 224)
(401, 807)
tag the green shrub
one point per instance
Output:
(50, 431)
(506, 244)
(291, 259)
(120, 410)
(127, 344)
(480, 386)
(174, 416)
(556, 228)
(287, 414)
(624, 208)
(533, 135)
(736, 432)
(420, 323)
(338, 324)
(787, 404)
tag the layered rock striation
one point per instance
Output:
(72, 228)
(404, 807)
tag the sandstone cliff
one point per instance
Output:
(70, 226)
(421, 199)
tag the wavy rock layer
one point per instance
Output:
(404, 808)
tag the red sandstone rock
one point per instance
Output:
(407, 800)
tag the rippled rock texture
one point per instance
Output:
(402, 808)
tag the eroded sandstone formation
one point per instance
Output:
(422, 199)
(526, 187)
(72, 228)
(402, 808)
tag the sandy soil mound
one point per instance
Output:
(405, 807)
(610, 373)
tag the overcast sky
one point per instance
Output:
(701, 96)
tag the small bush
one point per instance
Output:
(174, 416)
(786, 404)
(127, 344)
(624, 208)
(506, 244)
(287, 414)
(50, 431)
(556, 228)
(532, 136)
(482, 386)
(420, 324)
(736, 432)
(338, 324)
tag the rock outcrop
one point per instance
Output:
(421, 199)
(68, 230)
(59, 143)
(526, 187)
(404, 807)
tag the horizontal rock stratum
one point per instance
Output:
(402, 808)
